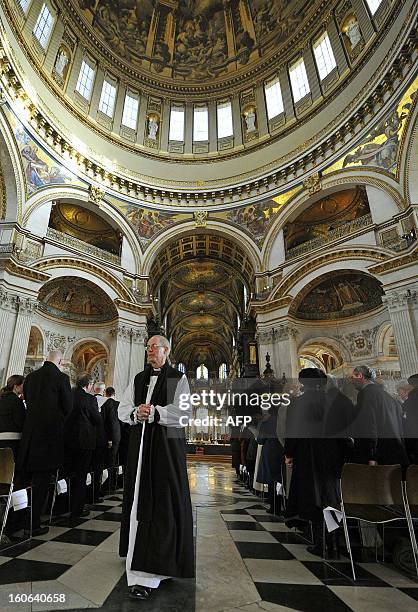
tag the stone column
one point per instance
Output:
(127, 354)
(8, 307)
(120, 357)
(402, 305)
(137, 362)
(285, 354)
(19, 346)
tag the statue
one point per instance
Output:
(61, 62)
(250, 118)
(353, 32)
(152, 128)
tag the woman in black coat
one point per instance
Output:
(12, 413)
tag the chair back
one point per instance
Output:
(411, 483)
(7, 466)
(377, 485)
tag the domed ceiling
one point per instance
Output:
(195, 40)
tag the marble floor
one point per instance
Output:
(246, 560)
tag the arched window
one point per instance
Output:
(202, 372)
(181, 367)
(223, 371)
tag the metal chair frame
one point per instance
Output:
(10, 457)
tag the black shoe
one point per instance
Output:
(140, 592)
(80, 514)
(36, 532)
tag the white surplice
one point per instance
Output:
(169, 417)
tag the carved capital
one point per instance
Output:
(400, 299)
(122, 331)
(26, 305)
(139, 336)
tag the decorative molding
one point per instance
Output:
(96, 195)
(11, 266)
(54, 340)
(86, 248)
(128, 334)
(3, 195)
(144, 309)
(313, 183)
(200, 218)
(360, 343)
(284, 331)
(400, 299)
(401, 261)
(81, 264)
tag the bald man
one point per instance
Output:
(47, 393)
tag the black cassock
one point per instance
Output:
(164, 537)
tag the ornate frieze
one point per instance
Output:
(127, 333)
(200, 218)
(17, 303)
(55, 340)
(96, 195)
(360, 343)
(284, 331)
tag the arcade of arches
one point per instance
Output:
(238, 175)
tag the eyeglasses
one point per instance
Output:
(153, 346)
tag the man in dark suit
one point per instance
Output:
(80, 441)
(378, 429)
(113, 432)
(48, 398)
(411, 421)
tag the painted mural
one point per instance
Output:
(76, 299)
(39, 168)
(339, 296)
(193, 39)
(148, 223)
(381, 147)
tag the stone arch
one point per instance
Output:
(212, 227)
(338, 181)
(88, 348)
(81, 195)
(12, 182)
(336, 347)
(385, 341)
(341, 259)
(408, 164)
(63, 266)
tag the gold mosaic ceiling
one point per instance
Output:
(195, 40)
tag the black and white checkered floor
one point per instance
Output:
(246, 560)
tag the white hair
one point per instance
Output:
(56, 355)
(164, 342)
(100, 387)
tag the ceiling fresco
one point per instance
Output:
(85, 225)
(76, 299)
(339, 295)
(193, 40)
(381, 147)
(201, 298)
(325, 215)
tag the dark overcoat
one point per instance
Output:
(47, 393)
(164, 539)
(411, 425)
(317, 459)
(80, 427)
(378, 428)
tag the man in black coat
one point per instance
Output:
(410, 408)
(378, 429)
(157, 527)
(48, 398)
(113, 432)
(99, 453)
(80, 441)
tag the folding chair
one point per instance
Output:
(373, 494)
(7, 471)
(411, 504)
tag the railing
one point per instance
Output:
(399, 244)
(84, 247)
(334, 234)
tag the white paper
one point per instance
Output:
(105, 476)
(20, 499)
(88, 479)
(244, 469)
(62, 486)
(120, 469)
(330, 521)
(240, 468)
(279, 488)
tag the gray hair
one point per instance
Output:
(56, 355)
(368, 373)
(164, 342)
(99, 387)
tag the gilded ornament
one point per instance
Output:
(313, 183)
(96, 195)
(200, 218)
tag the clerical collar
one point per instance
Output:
(155, 372)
